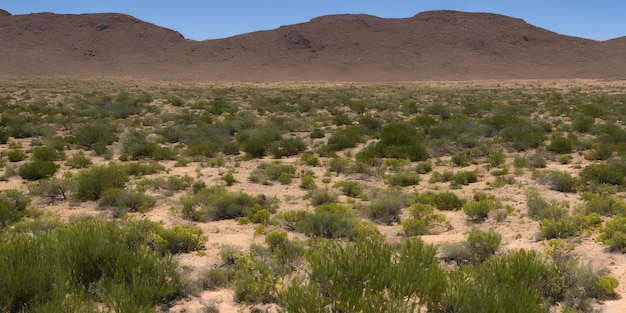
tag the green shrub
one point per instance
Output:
(126, 200)
(422, 220)
(461, 159)
(387, 206)
(79, 160)
(322, 196)
(483, 244)
(12, 207)
(345, 138)
(613, 234)
(141, 168)
(317, 133)
(444, 201)
(536, 203)
(339, 165)
(56, 188)
(92, 183)
(307, 182)
(216, 203)
(464, 178)
(478, 210)
(424, 167)
(38, 169)
(137, 145)
(604, 205)
(310, 159)
(16, 155)
(350, 277)
(559, 181)
(612, 173)
(560, 144)
(96, 136)
(349, 188)
(229, 178)
(272, 172)
(57, 270)
(288, 147)
(403, 179)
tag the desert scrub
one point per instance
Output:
(217, 203)
(12, 207)
(603, 204)
(568, 226)
(478, 210)
(349, 188)
(121, 201)
(385, 207)
(365, 269)
(78, 160)
(93, 182)
(558, 181)
(57, 270)
(444, 201)
(613, 234)
(273, 171)
(403, 179)
(422, 220)
(287, 147)
(38, 169)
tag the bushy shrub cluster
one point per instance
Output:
(444, 201)
(217, 203)
(274, 171)
(60, 270)
(422, 220)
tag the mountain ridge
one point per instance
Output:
(431, 45)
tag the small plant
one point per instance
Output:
(229, 178)
(38, 169)
(478, 210)
(79, 160)
(16, 155)
(422, 220)
(403, 179)
(349, 188)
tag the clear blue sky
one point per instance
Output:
(210, 19)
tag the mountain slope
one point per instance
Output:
(430, 45)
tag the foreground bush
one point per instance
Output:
(12, 207)
(367, 276)
(38, 169)
(58, 271)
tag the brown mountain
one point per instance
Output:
(430, 45)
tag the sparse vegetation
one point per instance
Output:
(319, 161)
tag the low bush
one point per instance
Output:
(478, 210)
(92, 183)
(613, 234)
(271, 172)
(444, 201)
(38, 169)
(422, 220)
(558, 181)
(79, 160)
(349, 277)
(610, 173)
(349, 188)
(604, 205)
(16, 155)
(12, 207)
(403, 179)
(288, 147)
(386, 207)
(216, 203)
(122, 200)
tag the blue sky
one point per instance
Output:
(209, 19)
